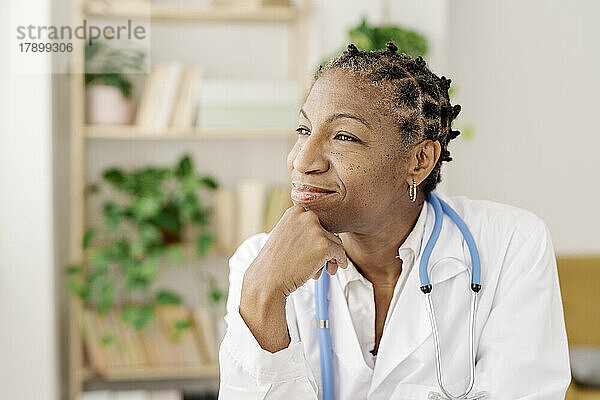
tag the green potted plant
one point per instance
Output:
(144, 224)
(108, 87)
(371, 37)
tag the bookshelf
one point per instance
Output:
(135, 133)
(166, 12)
(295, 18)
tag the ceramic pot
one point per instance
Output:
(107, 106)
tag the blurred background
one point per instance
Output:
(131, 169)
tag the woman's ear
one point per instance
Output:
(422, 160)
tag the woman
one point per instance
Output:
(372, 135)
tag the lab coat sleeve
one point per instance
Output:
(247, 371)
(523, 352)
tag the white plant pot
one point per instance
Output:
(107, 106)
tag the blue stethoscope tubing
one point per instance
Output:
(326, 354)
(322, 304)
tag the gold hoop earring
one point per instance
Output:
(412, 191)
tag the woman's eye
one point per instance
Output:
(302, 131)
(343, 136)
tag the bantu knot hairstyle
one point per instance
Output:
(414, 95)
(352, 50)
(391, 47)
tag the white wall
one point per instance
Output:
(526, 74)
(28, 359)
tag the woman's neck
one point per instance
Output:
(375, 253)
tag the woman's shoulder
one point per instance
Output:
(493, 214)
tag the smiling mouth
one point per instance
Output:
(304, 194)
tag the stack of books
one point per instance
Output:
(114, 345)
(251, 207)
(131, 395)
(177, 96)
(170, 97)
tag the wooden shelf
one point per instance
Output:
(155, 373)
(168, 12)
(137, 133)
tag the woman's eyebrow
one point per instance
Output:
(333, 117)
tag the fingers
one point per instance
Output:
(333, 237)
(318, 274)
(335, 253)
(331, 268)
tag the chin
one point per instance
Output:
(331, 220)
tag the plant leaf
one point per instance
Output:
(73, 269)
(148, 235)
(184, 167)
(145, 207)
(107, 296)
(107, 339)
(216, 295)
(91, 189)
(142, 275)
(112, 215)
(167, 297)
(168, 220)
(87, 238)
(138, 316)
(116, 177)
(183, 324)
(174, 253)
(203, 244)
(208, 182)
(81, 289)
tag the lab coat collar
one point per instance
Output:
(408, 327)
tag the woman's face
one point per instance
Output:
(347, 164)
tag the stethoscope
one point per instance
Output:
(322, 304)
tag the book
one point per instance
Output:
(183, 345)
(225, 218)
(251, 208)
(166, 395)
(158, 97)
(167, 95)
(156, 345)
(123, 355)
(132, 342)
(96, 354)
(187, 98)
(96, 395)
(112, 343)
(131, 395)
(278, 200)
(205, 330)
(149, 97)
(108, 340)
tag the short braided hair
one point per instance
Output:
(414, 95)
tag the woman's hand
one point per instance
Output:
(295, 252)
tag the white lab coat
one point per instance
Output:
(520, 340)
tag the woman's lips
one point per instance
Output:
(307, 194)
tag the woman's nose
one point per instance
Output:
(311, 158)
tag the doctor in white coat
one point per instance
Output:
(372, 134)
